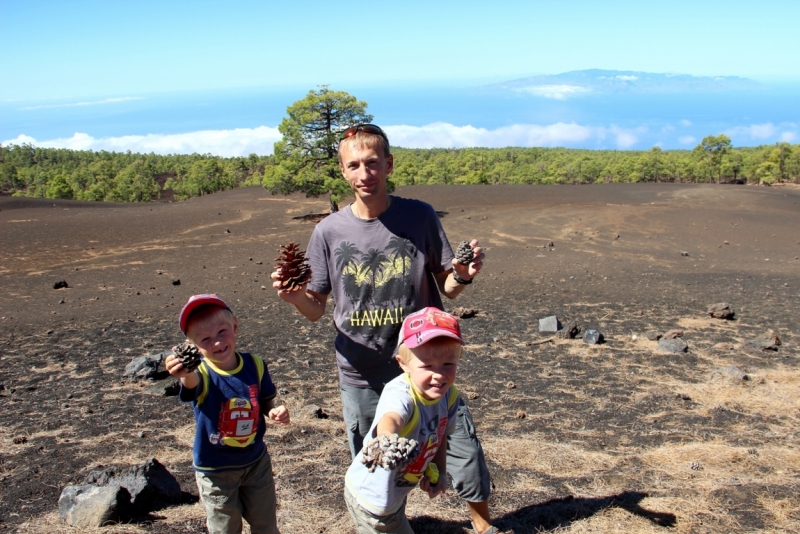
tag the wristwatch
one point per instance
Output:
(460, 280)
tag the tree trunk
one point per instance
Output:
(334, 206)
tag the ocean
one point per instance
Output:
(426, 116)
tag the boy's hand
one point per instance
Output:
(433, 490)
(468, 272)
(175, 367)
(279, 414)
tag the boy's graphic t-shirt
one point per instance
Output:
(228, 413)
(383, 492)
(379, 270)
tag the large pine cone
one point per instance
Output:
(464, 253)
(389, 451)
(293, 271)
(189, 356)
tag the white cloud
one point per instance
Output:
(227, 143)
(668, 128)
(445, 135)
(788, 137)
(81, 104)
(558, 92)
(684, 122)
(687, 140)
(245, 141)
(754, 131)
(627, 78)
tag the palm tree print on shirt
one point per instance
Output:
(378, 285)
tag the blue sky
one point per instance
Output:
(67, 49)
(90, 74)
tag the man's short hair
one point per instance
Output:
(362, 138)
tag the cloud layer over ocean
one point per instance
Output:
(260, 140)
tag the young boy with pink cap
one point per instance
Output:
(420, 404)
(231, 393)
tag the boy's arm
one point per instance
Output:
(390, 423)
(440, 460)
(189, 379)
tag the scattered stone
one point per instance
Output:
(549, 325)
(550, 244)
(672, 334)
(695, 466)
(673, 345)
(520, 415)
(653, 336)
(176, 282)
(570, 331)
(60, 284)
(593, 337)
(150, 485)
(721, 310)
(92, 506)
(766, 341)
(144, 367)
(511, 385)
(389, 451)
(227, 230)
(684, 253)
(464, 313)
(731, 372)
(259, 263)
(315, 411)
(19, 440)
(172, 389)
(283, 391)
(472, 395)
(724, 346)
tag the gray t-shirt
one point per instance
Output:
(379, 271)
(427, 421)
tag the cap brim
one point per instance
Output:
(421, 338)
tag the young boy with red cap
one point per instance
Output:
(420, 404)
(231, 392)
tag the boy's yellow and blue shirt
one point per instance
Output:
(228, 411)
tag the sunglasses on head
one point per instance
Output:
(368, 128)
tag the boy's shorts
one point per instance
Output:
(247, 493)
(466, 463)
(367, 523)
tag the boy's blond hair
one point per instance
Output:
(436, 346)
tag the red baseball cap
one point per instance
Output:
(426, 324)
(194, 302)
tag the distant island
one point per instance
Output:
(597, 81)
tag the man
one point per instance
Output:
(384, 257)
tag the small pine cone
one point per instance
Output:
(464, 253)
(293, 271)
(188, 355)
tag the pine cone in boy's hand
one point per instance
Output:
(464, 253)
(389, 451)
(293, 271)
(188, 355)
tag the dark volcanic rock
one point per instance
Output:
(93, 506)
(151, 486)
(766, 341)
(570, 331)
(675, 345)
(721, 310)
(549, 325)
(144, 367)
(593, 336)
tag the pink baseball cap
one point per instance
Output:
(194, 302)
(426, 324)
